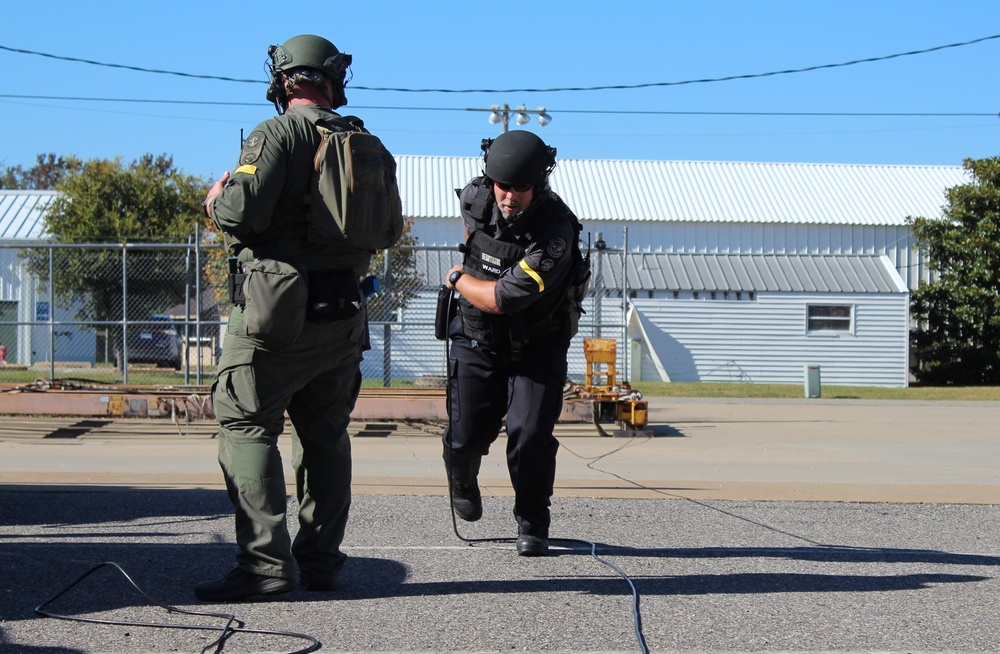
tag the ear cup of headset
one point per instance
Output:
(275, 92)
(272, 89)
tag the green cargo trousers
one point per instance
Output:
(316, 380)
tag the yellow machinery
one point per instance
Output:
(613, 401)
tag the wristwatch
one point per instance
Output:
(454, 276)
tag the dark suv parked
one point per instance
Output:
(155, 341)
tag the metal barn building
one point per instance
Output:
(715, 207)
(803, 221)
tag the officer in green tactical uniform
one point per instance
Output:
(294, 339)
(517, 311)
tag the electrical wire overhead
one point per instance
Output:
(706, 80)
(634, 112)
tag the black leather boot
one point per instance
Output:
(463, 473)
(239, 585)
(529, 545)
(468, 501)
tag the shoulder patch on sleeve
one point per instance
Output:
(252, 148)
(249, 170)
(556, 248)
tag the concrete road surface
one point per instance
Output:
(736, 526)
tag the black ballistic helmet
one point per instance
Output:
(518, 158)
(306, 51)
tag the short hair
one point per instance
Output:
(297, 75)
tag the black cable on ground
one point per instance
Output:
(701, 503)
(231, 627)
(636, 616)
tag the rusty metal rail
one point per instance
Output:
(186, 404)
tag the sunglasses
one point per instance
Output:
(507, 188)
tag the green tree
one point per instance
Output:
(48, 171)
(147, 201)
(106, 201)
(957, 339)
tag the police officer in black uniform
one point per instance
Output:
(512, 330)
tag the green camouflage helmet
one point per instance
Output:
(306, 51)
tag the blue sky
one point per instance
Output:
(536, 45)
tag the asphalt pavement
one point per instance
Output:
(732, 526)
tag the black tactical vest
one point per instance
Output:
(487, 258)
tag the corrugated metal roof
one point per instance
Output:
(21, 213)
(705, 191)
(821, 273)
(805, 273)
(668, 191)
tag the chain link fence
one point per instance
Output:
(155, 314)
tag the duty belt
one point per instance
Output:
(333, 294)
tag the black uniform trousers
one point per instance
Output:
(485, 384)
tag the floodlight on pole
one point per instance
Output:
(500, 113)
(522, 117)
(495, 117)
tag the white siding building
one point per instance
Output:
(724, 212)
(765, 318)
(20, 298)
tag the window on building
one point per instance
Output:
(829, 317)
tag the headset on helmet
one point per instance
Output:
(518, 158)
(307, 51)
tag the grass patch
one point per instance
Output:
(797, 391)
(105, 374)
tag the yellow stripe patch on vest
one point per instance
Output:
(249, 170)
(534, 275)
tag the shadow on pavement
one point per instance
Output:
(827, 553)
(51, 538)
(65, 507)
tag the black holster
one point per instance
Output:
(236, 279)
(447, 307)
